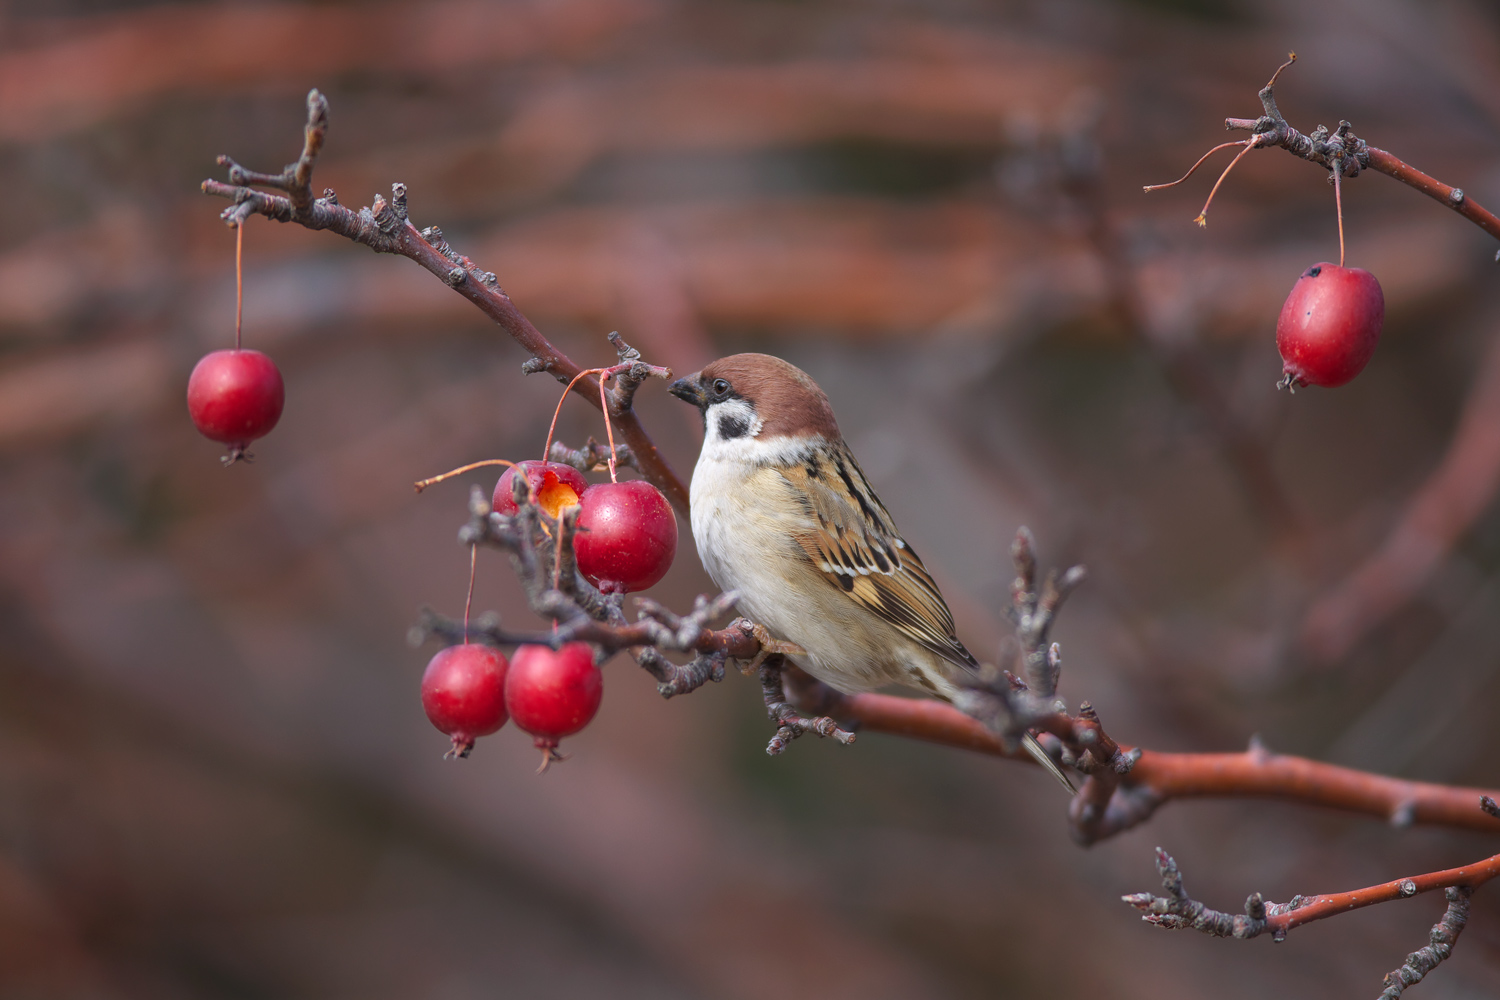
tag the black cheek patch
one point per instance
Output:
(733, 427)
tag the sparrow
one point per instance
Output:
(783, 515)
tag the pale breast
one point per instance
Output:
(745, 520)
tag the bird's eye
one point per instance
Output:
(721, 386)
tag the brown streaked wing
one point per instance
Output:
(853, 541)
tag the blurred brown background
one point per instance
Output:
(215, 776)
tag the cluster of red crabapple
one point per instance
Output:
(625, 540)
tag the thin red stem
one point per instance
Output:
(239, 281)
(608, 429)
(1291, 57)
(469, 600)
(1338, 203)
(546, 448)
(557, 563)
(1202, 218)
(1223, 145)
(423, 484)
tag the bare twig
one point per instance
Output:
(1178, 911)
(789, 724)
(1346, 154)
(592, 457)
(1441, 939)
(1033, 612)
(385, 228)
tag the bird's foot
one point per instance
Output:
(769, 645)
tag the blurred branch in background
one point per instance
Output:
(817, 181)
(1180, 355)
(1457, 491)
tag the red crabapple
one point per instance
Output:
(235, 397)
(553, 694)
(627, 536)
(553, 484)
(1329, 325)
(463, 692)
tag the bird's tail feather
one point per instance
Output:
(1043, 758)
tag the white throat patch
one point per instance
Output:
(732, 422)
(751, 451)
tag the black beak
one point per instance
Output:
(689, 390)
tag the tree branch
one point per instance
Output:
(1459, 489)
(385, 228)
(1347, 153)
(1178, 911)
(1441, 939)
(1125, 785)
(1454, 198)
(1159, 777)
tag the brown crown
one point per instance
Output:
(785, 398)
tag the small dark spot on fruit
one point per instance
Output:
(1314, 271)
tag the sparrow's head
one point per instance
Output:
(757, 398)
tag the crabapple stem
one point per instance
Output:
(609, 429)
(239, 280)
(423, 484)
(604, 376)
(469, 599)
(1223, 145)
(1338, 202)
(553, 426)
(1250, 144)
